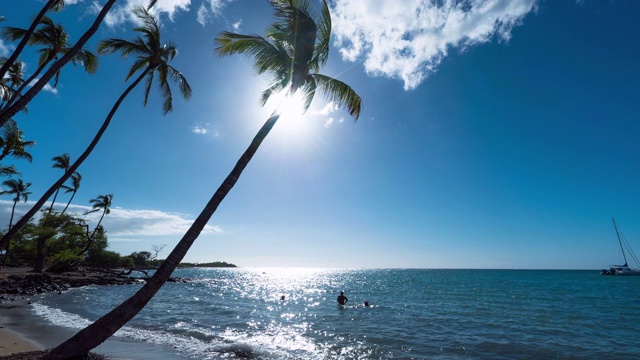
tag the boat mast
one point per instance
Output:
(619, 241)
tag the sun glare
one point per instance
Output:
(291, 109)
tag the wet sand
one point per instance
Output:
(11, 343)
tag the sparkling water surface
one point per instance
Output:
(414, 314)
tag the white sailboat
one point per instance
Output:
(623, 270)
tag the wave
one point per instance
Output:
(202, 343)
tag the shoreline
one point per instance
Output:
(23, 337)
(12, 342)
(19, 284)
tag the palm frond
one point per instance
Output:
(167, 97)
(177, 77)
(275, 88)
(339, 92)
(324, 37)
(147, 86)
(87, 59)
(140, 64)
(308, 91)
(12, 33)
(111, 46)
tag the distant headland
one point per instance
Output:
(217, 264)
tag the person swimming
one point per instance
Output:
(366, 303)
(342, 300)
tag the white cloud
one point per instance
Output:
(5, 49)
(408, 39)
(200, 129)
(328, 123)
(50, 89)
(120, 223)
(203, 15)
(236, 25)
(329, 108)
(218, 5)
(123, 222)
(119, 15)
(122, 14)
(47, 86)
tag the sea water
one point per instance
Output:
(413, 314)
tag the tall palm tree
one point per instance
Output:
(151, 57)
(12, 144)
(54, 5)
(59, 162)
(21, 103)
(19, 190)
(102, 202)
(55, 41)
(76, 178)
(299, 41)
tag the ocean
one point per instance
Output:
(413, 314)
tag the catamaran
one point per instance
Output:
(622, 270)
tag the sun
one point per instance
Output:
(291, 109)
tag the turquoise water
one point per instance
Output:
(414, 314)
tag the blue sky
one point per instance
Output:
(494, 134)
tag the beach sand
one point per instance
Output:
(12, 342)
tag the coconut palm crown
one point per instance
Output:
(151, 56)
(294, 49)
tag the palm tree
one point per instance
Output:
(76, 178)
(13, 79)
(12, 143)
(55, 41)
(102, 202)
(18, 189)
(59, 162)
(21, 103)
(151, 57)
(294, 49)
(54, 5)
(8, 171)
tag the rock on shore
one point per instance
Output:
(21, 281)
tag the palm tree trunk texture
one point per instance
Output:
(39, 265)
(5, 67)
(96, 333)
(23, 221)
(21, 103)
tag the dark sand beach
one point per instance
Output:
(17, 284)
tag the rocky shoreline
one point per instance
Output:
(23, 282)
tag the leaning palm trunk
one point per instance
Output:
(14, 230)
(68, 203)
(22, 102)
(96, 333)
(55, 196)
